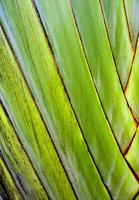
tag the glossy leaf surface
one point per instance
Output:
(81, 90)
(49, 93)
(67, 129)
(29, 125)
(132, 10)
(117, 27)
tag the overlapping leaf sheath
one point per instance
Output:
(58, 22)
(18, 163)
(101, 63)
(29, 126)
(132, 94)
(132, 10)
(133, 154)
(64, 118)
(41, 73)
(119, 35)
